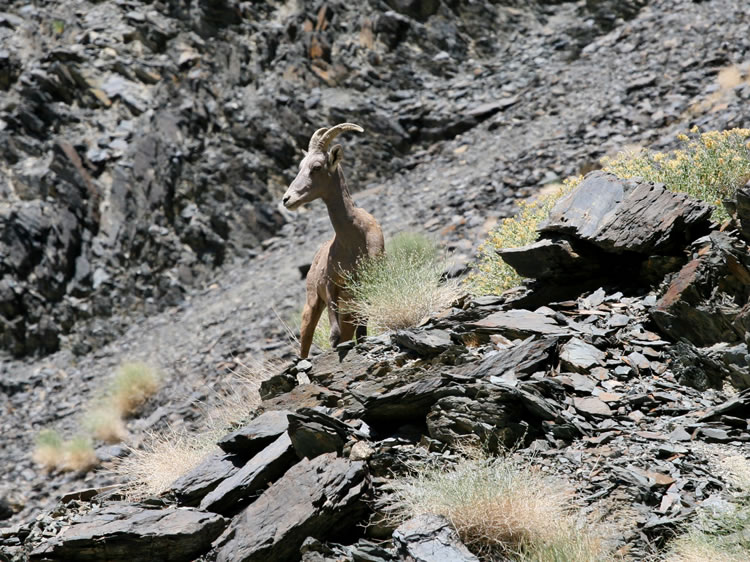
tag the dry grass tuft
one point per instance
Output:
(133, 384)
(402, 287)
(501, 509)
(79, 455)
(164, 458)
(49, 451)
(105, 423)
(54, 453)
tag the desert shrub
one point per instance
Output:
(400, 288)
(134, 383)
(104, 422)
(49, 451)
(492, 275)
(719, 534)
(709, 166)
(502, 509)
(52, 452)
(79, 455)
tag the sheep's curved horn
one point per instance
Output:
(315, 139)
(327, 137)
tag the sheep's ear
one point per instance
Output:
(335, 156)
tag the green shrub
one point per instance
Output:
(710, 166)
(400, 288)
(502, 509)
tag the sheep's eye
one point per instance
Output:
(316, 168)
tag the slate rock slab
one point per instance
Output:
(313, 433)
(257, 434)
(520, 323)
(631, 215)
(423, 342)
(239, 489)
(313, 499)
(129, 532)
(704, 300)
(579, 356)
(431, 538)
(190, 488)
(381, 402)
(523, 359)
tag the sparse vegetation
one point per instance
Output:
(166, 456)
(80, 455)
(105, 423)
(493, 275)
(133, 384)
(163, 458)
(719, 534)
(49, 451)
(710, 166)
(502, 509)
(52, 452)
(402, 287)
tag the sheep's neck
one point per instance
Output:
(341, 210)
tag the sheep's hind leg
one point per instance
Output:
(310, 317)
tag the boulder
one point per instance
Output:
(313, 499)
(130, 532)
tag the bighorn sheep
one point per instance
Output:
(357, 234)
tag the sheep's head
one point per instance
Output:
(319, 167)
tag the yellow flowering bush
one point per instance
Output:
(710, 166)
(492, 275)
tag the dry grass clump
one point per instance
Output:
(164, 457)
(105, 423)
(402, 287)
(493, 275)
(49, 451)
(502, 509)
(52, 452)
(719, 535)
(133, 384)
(79, 455)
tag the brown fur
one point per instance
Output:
(357, 234)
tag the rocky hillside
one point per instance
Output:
(144, 146)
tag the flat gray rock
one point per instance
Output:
(578, 356)
(431, 538)
(129, 532)
(520, 323)
(313, 499)
(239, 489)
(255, 435)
